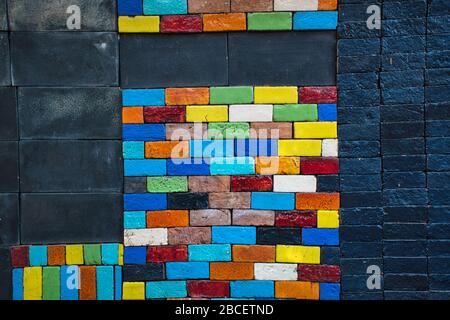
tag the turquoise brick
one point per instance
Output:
(17, 282)
(209, 252)
(105, 282)
(187, 270)
(211, 148)
(162, 7)
(234, 235)
(146, 97)
(232, 166)
(315, 20)
(166, 289)
(143, 168)
(134, 220)
(110, 253)
(133, 150)
(252, 289)
(38, 256)
(273, 201)
(69, 282)
(118, 283)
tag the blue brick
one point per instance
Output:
(134, 220)
(439, 128)
(130, 7)
(140, 202)
(392, 180)
(69, 279)
(147, 97)
(437, 77)
(403, 61)
(232, 166)
(327, 112)
(356, 30)
(144, 132)
(315, 20)
(319, 237)
(405, 248)
(437, 94)
(188, 167)
(356, 47)
(437, 162)
(252, 289)
(438, 24)
(110, 253)
(403, 95)
(402, 79)
(358, 266)
(133, 149)
(438, 59)
(364, 63)
(187, 270)
(439, 180)
(166, 289)
(361, 250)
(209, 252)
(360, 166)
(439, 197)
(364, 132)
(407, 44)
(404, 163)
(38, 256)
(163, 7)
(143, 168)
(17, 282)
(356, 216)
(118, 282)
(234, 235)
(363, 199)
(352, 233)
(105, 282)
(417, 214)
(330, 291)
(405, 197)
(358, 98)
(438, 42)
(404, 231)
(394, 113)
(256, 147)
(404, 146)
(360, 182)
(403, 27)
(211, 148)
(273, 201)
(135, 255)
(352, 81)
(404, 9)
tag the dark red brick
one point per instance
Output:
(181, 23)
(208, 289)
(295, 219)
(165, 114)
(319, 165)
(318, 95)
(251, 183)
(319, 273)
(167, 253)
(20, 257)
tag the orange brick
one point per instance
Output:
(297, 290)
(187, 96)
(231, 271)
(317, 201)
(224, 22)
(56, 255)
(243, 253)
(167, 149)
(133, 115)
(167, 219)
(277, 165)
(328, 4)
(88, 283)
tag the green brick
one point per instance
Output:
(270, 21)
(295, 112)
(231, 95)
(51, 283)
(167, 184)
(235, 130)
(92, 254)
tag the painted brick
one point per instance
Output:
(56, 255)
(270, 21)
(232, 166)
(166, 289)
(256, 253)
(231, 271)
(167, 184)
(181, 201)
(164, 114)
(147, 272)
(208, 6)
(320, 166)
(167, 219)
(187, 270)
(308, 148)
(229, 200)
(272, 201)
(51, 283)
(167, 149)
(88, 286)
(319, 130)
(212, 148)
(273, 236)
(295, 112)
(234, 235)
(252, 289)
(139, 202)
(185, 131)
(280, 95)
(32, 283)
(74, 254)
(205, 113)
(190, 235)
(325, 20)
(320, 237)
(92, 254)
(228, 130)
(327, 219)
(231, 95)
(187, 96)
(118, 283)
(328, 112)
(69, 291)
(253, 217)
(38, 256)
(225, 22)
(134, 255)
(190, 167)
(285, 219)
(294, 183)
(17, 283)
(320, 273)
(130, 7)
(181, 23)
(133, 291)
(208, 289)
(209, 184)
(163, 7)
(132, 115)
(133, 150)
(328, 4)
(143, 97)
(210, 252)
(250, 183)
(110, 253)
(277, 165)
(330, 291)
(139, 24)
(147, 132)
(134, 220)
(297, 290)
(318, 201)
(318, 95)
(268, 130)
(256, 147)
(275, 271)
(251, 113)
(167, 253)
(210, 217)
(298, 254)
(251, 6)
(295, 5)
(105, 282)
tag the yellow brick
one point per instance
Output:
(120, 254)
(305, 148)
(319, 130)
(74, 254)
(276, 95)
(139, 24)
(298, 254)
(133, 291)
(32, 283)
(206, 113)
(327, 219)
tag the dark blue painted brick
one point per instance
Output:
(366, 296)
(437, 77)
(361, 199)
(406, 295)
(360, 182)
(408, 44)
(403, 146)
(404, 231)
(405, 248)
(362, 216)
(438, 24)
(405, 265)
(439, 248)
(396, 113)
(403, 61)
(328, 183)
(437, 162)
(358, 98)
(401, 79)
(359, 266)
(130, 7)
(356, 30)
(405, 197)
(440, 128)
(439, 197)
(356, 47)
(352, 81)
(438, 42)
(360, 166)
(350, 64)
(355, 284)
(438, 145)
(367, 115)
(404, 163)
(438, 180)
(401, 130)
(404, 9)
(354, 10)
(439, 214)
(361, 233)
(365, 132)
(392, 180)
(359, 149)
(439, 265)
(440, 282)
(417, 214)
(438, 59)
(361, 249)
(438, 7)
(437, 94)
(413, 95)
(437, 111)
(403, 27)
(330, 255)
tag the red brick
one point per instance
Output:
(20, 257)
(295, 219)
(251, 183)
(318, 95)
(319, 165)
(167, 253)
(181, 23)
(208, 289)
(321, 273)
(165, 114)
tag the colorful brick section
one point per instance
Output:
(230, 192)
(67, 272)
(164, 16)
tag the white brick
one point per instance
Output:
(330, 148)
(145, 237)
(251, 113)
(275, 271)
(296, 5)
(294, 184)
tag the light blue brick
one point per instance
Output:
(330, 291)
(320, 237)
(166, 289)
(187, 270)
(145, 201)
(38, 256)
(209, 252)
(134, 220)
(162, 7)
(252, 289)
(105, 282)
(143, 97)
(110, 253)
(133, 149)
(234, 235)
(273, 201)
(144, 168)
(232, 166)
(69, 282)
(143, 132)
(118, 283)
(17, 282)
(315, 20)
(211, 148)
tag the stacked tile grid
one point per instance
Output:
(225, 15)
(219, 204)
